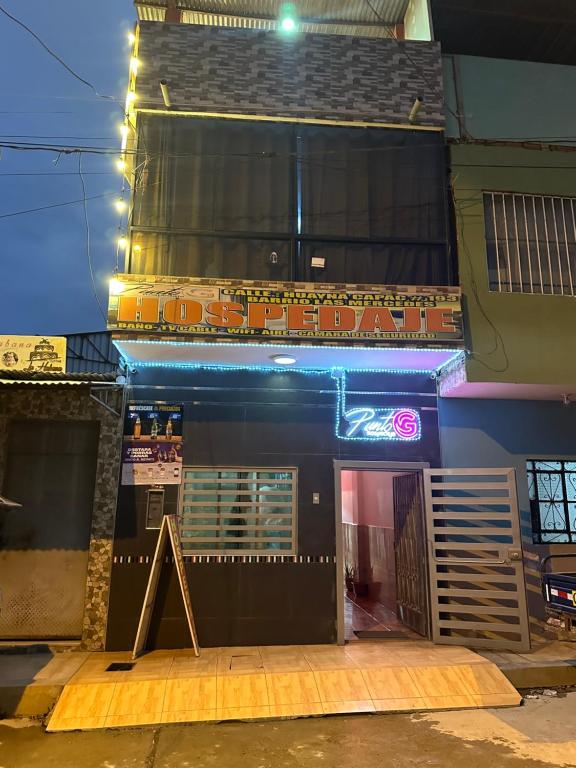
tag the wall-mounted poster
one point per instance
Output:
(33, 353)
(152, 446)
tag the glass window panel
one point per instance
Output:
(556, 538)
(552, 516)
(549, 486)
(547, 466)
(570, 480)
(250, 510)
(530, 243)
(531, 487)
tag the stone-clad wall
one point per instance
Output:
(328, 77)
(53, 402)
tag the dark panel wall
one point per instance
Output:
(240, 71)
(257, 419)
(506, 433)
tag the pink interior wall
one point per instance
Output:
(349, 484)
(368, 517)
(375, 499)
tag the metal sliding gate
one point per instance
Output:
(477, 590)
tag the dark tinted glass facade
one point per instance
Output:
(270, 201)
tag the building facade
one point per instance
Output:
(60, 439)
(291, 301)
(510, 403)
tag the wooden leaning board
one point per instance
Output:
(168, 535)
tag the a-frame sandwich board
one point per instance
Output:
(168, 538)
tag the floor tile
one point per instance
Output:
(441, 681)
(75, 724)
(292, 688)
(239, 663)
(486, 679)
(399, 705)
(190, 667)
(391, 683)
(85, 700)
(331, 660)
(188, 716)
(192, 693)
(138, 698)
(343, 707)
(278, 681)
(450, 702)
(285, 664)
(498, 700)
(296, 710)
(341, 685)
(241, 691)
(124, 721)
(242, 713)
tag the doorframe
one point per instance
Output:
(352, 464)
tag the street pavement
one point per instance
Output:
(535, 735)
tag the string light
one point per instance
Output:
(134, 65)
(121, 165)
(116, 287)
(120, 205)
(131, 38)
(122, 243)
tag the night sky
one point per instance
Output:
(44, 272)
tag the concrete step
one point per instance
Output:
(31, 682)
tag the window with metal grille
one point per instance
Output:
(241, 511)
(552, 491)
(531, 243)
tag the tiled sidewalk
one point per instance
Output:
(272, 682)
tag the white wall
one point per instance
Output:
(418, 20)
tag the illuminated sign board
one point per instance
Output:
(244, 309)
(367, 423)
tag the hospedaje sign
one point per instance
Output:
(239, 308)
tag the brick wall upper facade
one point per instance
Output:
(315, 77)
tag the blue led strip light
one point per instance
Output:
(340, 377)
(269, 368)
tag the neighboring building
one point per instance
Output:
(512, 402)
(59, 461)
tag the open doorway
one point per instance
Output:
(382, 553)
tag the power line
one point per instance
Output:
(16, 136)
(59, 173)
(53, 54)
(54, 205)
(88, 249)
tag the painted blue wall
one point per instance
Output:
(511, 99)
(506, 433)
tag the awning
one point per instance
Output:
(53, 378)
(190, 354)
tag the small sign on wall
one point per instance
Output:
(33, 353)
(152, 446)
